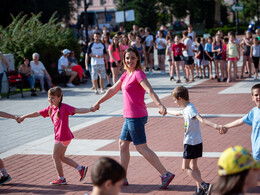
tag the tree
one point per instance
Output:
(63, 8)
(145, 12)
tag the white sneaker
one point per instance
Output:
(70, 85)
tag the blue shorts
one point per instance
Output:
(133, 130)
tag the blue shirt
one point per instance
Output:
(253, 119)
(208, 47)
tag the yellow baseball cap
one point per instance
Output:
(236, 159)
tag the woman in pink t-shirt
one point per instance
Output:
(115, 54)
(59, 113)
(134, 84)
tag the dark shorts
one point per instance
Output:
(192, 151)
(133, 130)
(217, 57)
(147, 48)
(113, 64)
(161, 51)
(170, 59)
(256, 62)
(207, 57)
(178, 58)
(188, 60)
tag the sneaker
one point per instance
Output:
(207, 187)
(108, 85)
(96, 92)
(166, 180)
(125, 182)
(58, 182)
(158, 68)
(82, 173)
(102, 92)
(178, 81)
(70, 85)
(200, 192)
(42, 91)
(3, 179)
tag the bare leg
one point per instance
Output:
(151, 157)
(124, 153)
(73, 76)
(191, 173)
(194, 167)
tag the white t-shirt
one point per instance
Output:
(62, 62)
(148, 40)
(97, 49)
(187, 42)
(37, 69)
(192, 134)
(159, 45)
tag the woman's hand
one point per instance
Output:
(95, 107)
(163, 110)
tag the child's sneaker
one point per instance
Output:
(82, 173)
(3, 179)
(125, 182)
(207, 187)
(199, 191)
(166, 180)
(59, 182)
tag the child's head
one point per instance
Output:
(238, 171)
(177, 39)
(107, 176)
(55, 98)
(248, 34)
(198, 40)
(180, 93)
(255, 41)
(210, 40)
(226, 40)
(185, 33)
(257, 32)
(255, 92)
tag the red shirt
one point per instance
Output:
(177, 49)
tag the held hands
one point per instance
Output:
(19, 119)
(163, 110)
(95, 107)
(222, 129)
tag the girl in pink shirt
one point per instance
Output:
(115, 54)
(134, 84)
(59, 114)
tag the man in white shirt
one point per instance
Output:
(97, 52)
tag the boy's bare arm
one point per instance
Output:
(207, 122)
(235, 123)
(174, 112)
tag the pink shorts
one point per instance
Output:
(64, 143)
(233, 59)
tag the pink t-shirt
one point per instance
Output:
(61, 124)
(133, 94)
(116, 54)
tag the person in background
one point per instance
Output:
(149, 42)
(2, 61)
(246, 44)
(160, 45)
(255, 55)
(26, 73)
(39, 72)
(191, 33)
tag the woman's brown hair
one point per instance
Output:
(138, 64)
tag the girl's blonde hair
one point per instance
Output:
(138, 64)
(55, 91)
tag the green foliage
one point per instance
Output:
(26, 35)
(145, 12)
(226, 29)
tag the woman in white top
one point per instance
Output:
(160, 45)
(2, 61)
(39, 71)
(149, 41)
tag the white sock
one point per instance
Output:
(79, 168)
(4, 172)
(62, 178)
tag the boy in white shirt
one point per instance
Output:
(192, 137)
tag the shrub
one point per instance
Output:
(226, 29)
(26, 35)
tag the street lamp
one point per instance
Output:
(86, 20)
(124, 7)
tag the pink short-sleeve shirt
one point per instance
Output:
(133, 94)
(116, 54)
(61, 124)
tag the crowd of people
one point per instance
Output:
(124, 55)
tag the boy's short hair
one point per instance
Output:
(185, 33)
(256, 86)
(181, 92)
(107, 169)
